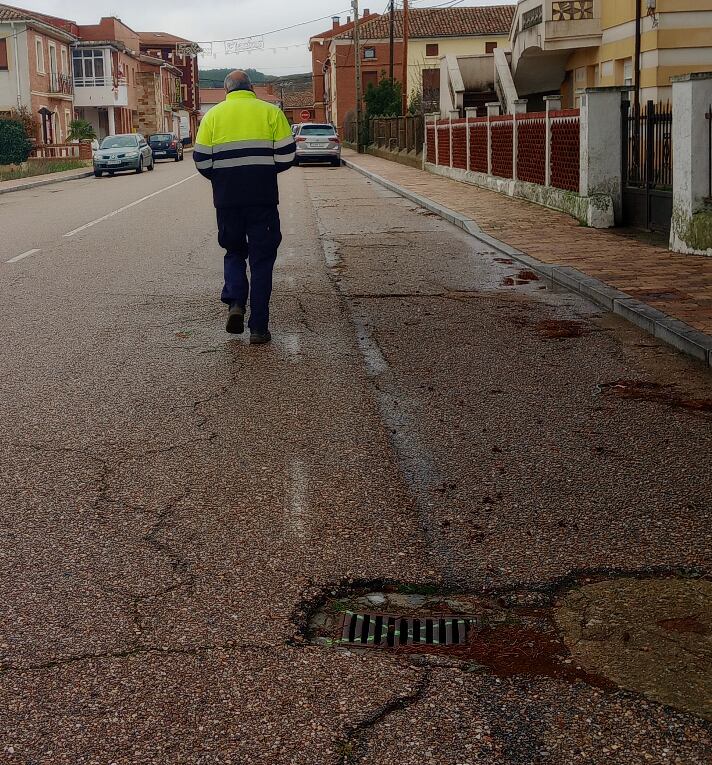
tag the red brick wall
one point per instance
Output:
(478, 147)
(565, 147)
(346, 73)
(443, 143)
(459, 144)
(531, 149)
(502, 148)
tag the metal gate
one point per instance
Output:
(647, 166)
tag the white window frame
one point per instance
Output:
(39, 55)
(65, 59)
(67, 119)
(369, 49)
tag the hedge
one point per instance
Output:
(15, 146)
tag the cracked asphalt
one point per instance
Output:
(171, 498)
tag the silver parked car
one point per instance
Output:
(128, 151)
(318, 142)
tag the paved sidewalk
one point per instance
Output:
(677, 285)
(44, 180)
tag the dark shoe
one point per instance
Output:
(235, 319)
(260, 338)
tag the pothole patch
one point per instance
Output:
(643, 390)
(649, 635)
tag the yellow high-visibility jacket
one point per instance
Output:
(242, 144)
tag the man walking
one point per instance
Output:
(242, 144)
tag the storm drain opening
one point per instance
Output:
(371, 630)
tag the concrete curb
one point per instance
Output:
(672, 331)
(45, 182)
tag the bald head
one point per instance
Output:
(238, 80)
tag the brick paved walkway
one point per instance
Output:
(678, 285)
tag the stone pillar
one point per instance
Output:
(519, 106)
(553, 104)
(492, 111)
(453, 114)
(112, 121)
(470, 114)
(601, 151)
(691, 230)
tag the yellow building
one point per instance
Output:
(568, 45)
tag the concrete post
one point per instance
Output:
(553, 104)
(691, 230)
(601, 150)
(519, 106)
(470, 113)
(436, 117)
(453, 114)
(492, 111)
(112, 121)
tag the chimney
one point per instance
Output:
(366, 12)
(348, 19)
(335, 22)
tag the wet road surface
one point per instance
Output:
(174, 502)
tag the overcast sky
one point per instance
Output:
(223, 19)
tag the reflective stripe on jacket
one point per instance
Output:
(242, 144)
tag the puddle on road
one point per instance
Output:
(651, 636)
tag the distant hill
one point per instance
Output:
(214, 78)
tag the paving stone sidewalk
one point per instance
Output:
(678, 285)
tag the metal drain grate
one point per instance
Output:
(379, 630)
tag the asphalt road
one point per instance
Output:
(172, 499)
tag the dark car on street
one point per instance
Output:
(166, 146)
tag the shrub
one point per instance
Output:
(80, 130)
(15, 146)
(385, 99)
(24, 116)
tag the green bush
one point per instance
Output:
(80, 130)
(383, 100)
(15, 146)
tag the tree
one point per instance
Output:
(80, 130)
(384, 99)
(15, 146)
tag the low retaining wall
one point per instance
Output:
(594, 211)
(410, 158)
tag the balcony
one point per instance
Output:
(61, 84)
(100, 91)
(544, 34)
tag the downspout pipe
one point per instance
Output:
(17, 63)
(636, 63)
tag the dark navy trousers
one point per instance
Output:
(249, 234)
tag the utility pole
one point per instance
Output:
(405, 57)
(391, 73)
(357, 67)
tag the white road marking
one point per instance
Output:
(127, 207)
(20, 257)
(296, 509)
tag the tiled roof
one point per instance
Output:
(216, 95)
(12, 13)
(440, 22)
(294, 99)
(212, 95)
(339, 30)
(160, 38)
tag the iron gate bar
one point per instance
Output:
(647, 165)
